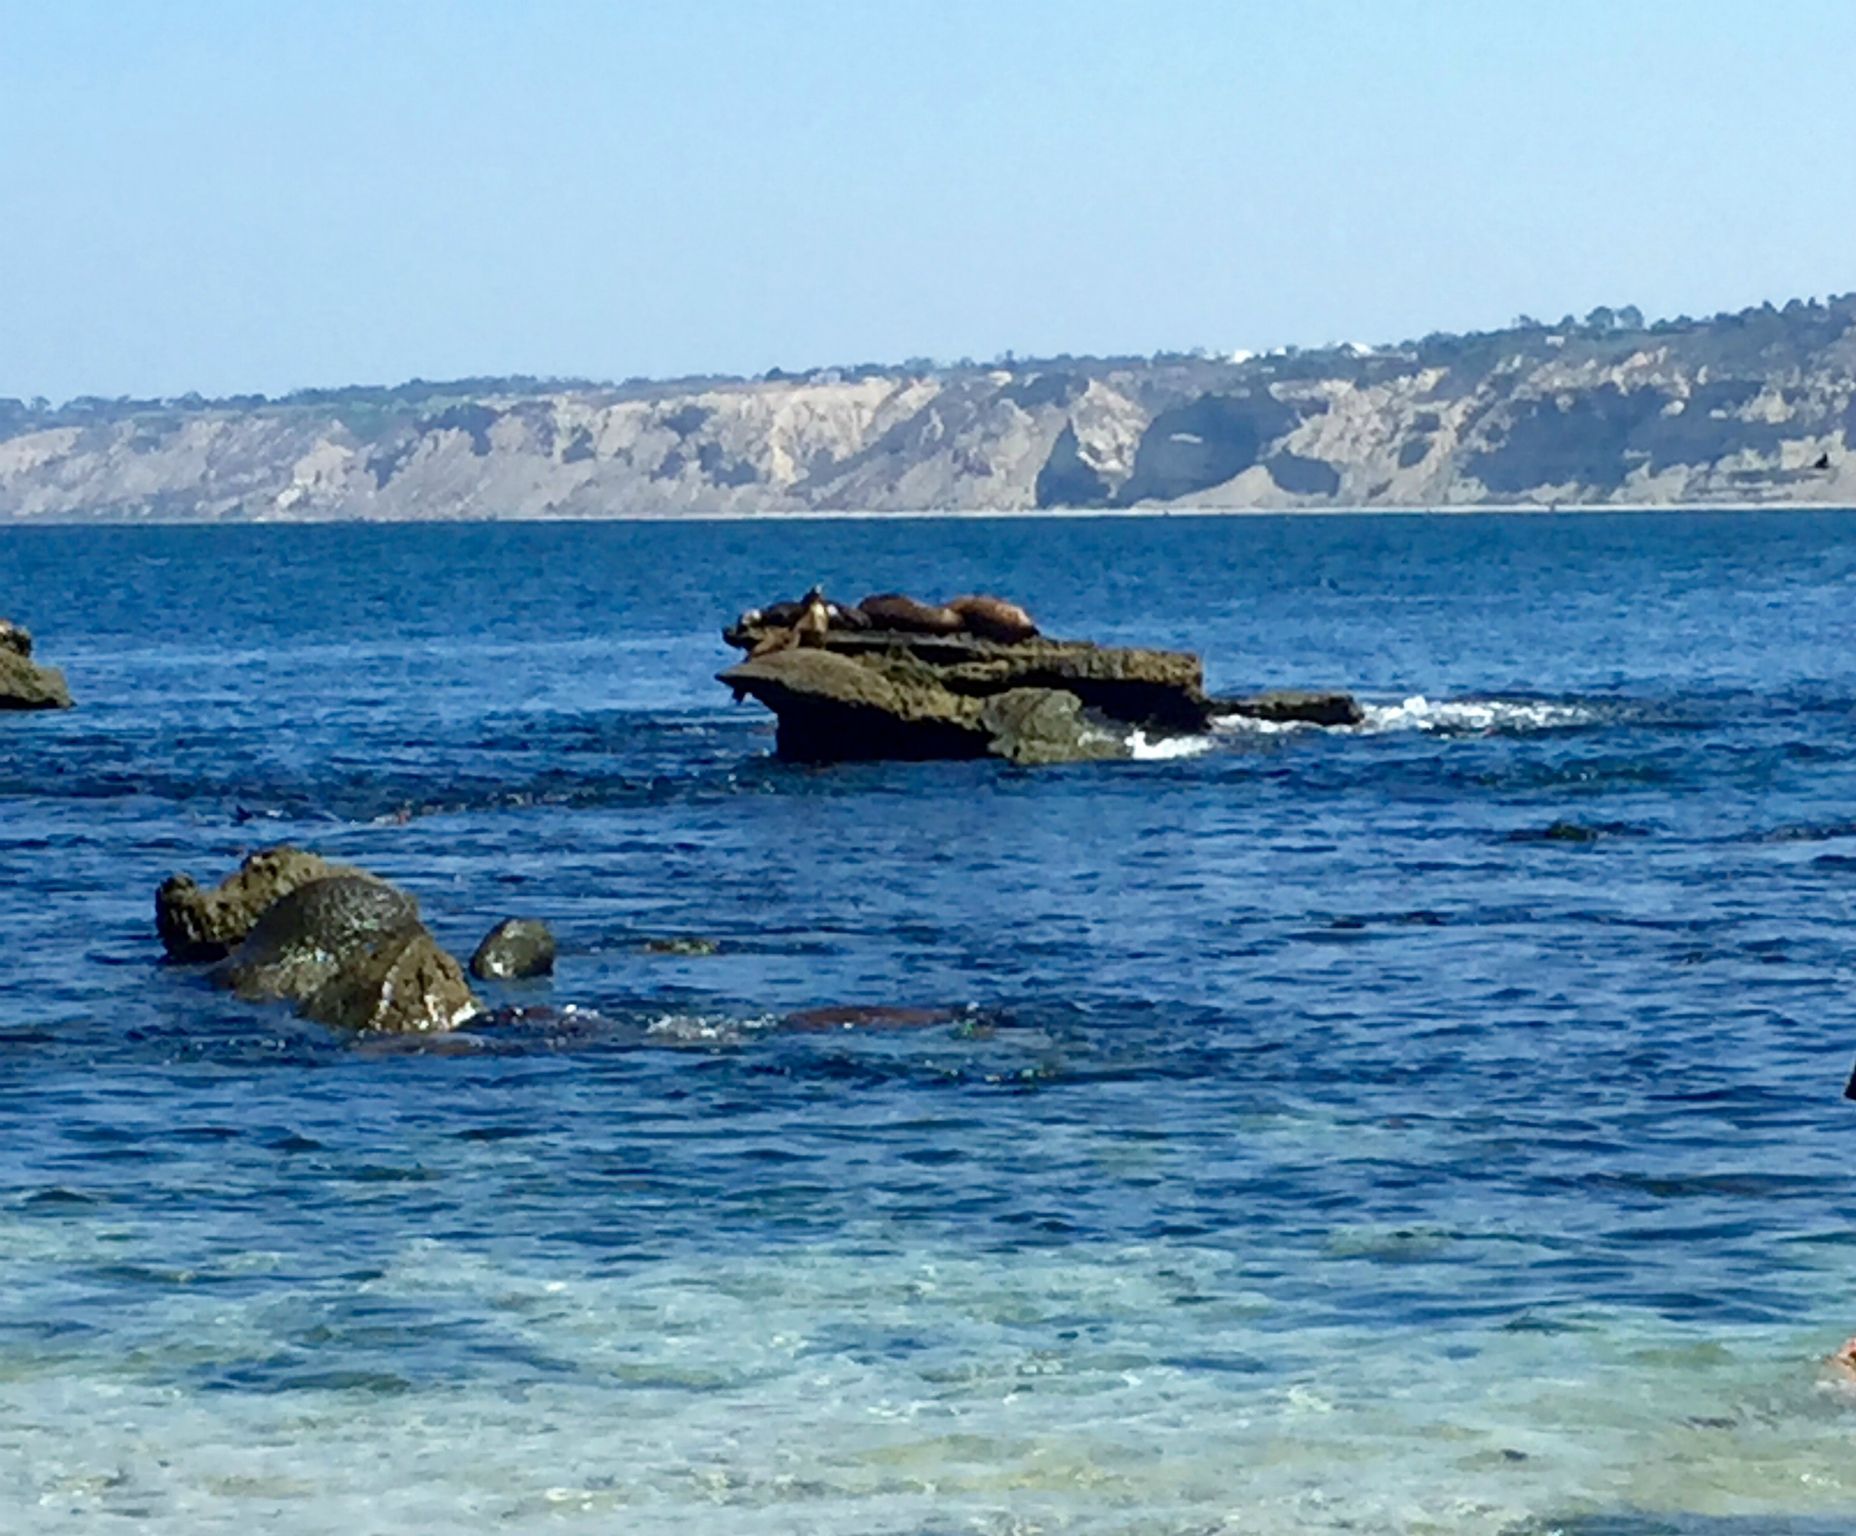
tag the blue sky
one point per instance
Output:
(259, 196)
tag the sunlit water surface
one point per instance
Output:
(1427, 1127)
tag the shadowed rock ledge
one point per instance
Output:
(837, 708)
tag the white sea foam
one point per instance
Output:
(1462, 717)
(1472, 716)
(1166, 748)
(1249, 725)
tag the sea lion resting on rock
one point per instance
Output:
(807, 626)
(894, 611)
(814, 622)
(789, 615)
(993, 618)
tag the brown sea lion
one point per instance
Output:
(993, 618)
(779, 615)
(892, 610)
(814, 623)
(775, 639)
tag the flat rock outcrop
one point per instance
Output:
(899, 685)
(24, 684)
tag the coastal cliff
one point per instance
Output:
(1758, 406)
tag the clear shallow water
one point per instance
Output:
(1433, 1127)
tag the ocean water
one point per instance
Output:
(1429, 1127)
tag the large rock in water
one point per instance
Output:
(351, 951)
(837, 708)
(24, 684)
(304, 938)
(899, 692)
(346, 947)
(1155, 689)
(198, 925)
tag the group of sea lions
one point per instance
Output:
(809, 620)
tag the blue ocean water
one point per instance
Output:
(1433, 1126)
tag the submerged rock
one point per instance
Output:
(687, 945)
(199, 925)
(1307, 706)
(869, 1017)
(24, 684)
(516, 947)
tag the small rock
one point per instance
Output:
(24, 684)
(199, 925)
(347, 948)
(400, 983)
(515, 947)
(681, 946)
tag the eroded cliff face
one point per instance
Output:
(1756, 407)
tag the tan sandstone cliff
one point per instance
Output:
(1755, 407)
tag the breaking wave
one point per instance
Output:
(1166, 748)
(1461, 717)
(1476, 716)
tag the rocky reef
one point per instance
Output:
(895, 678)
(347, 948)
(24, 684)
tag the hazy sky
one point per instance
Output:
(262, 194)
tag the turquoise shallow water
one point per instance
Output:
(1429, 1127)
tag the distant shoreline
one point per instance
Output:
(1042, 514)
